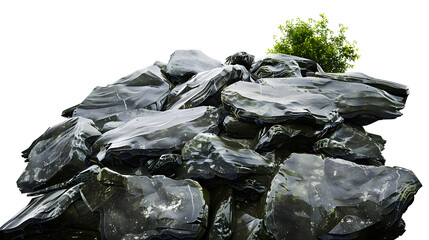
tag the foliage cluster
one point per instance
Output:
(314, 40)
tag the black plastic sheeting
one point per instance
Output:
(195, 149)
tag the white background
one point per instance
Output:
(53, 54)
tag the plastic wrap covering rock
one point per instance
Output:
(143, 138)
(58, 154)
(146, 88)
(140, 207)
(356, 102)
(277, 102)
(276, 65)
(227, 166)
(353, 143)
(54, 215)
(357, 77)
(241, 58)
(184, 64)
(337, 199)
(204, 88)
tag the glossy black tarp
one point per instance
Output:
(143, 138)
(141, 207)
(204, 88)
(145, 88)
(337, 199)
(58, 154)
(184, 64)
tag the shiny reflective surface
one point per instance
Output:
(337, 199)
(195, 149)
(58, 154)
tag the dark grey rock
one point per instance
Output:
(239, 129)
(221, 208)
(139, 207)
(52, 216)
(205, 87)
(58, 154)
(209, 157)
(356, 102)
(276, 65)
(357, 77)
(166, 165)
(337, 199)
(145, 88)
(353, 143)
(143, 138)
(184, 64)
(277, 102)
(241, 58)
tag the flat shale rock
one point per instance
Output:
(356, 102)
(201, 88)
(357, 77)
(275, 102)
(59, 214)
(239, 129)
(58, 154)
(241, 58)
(141, 207)
(184, 64)
(353, 143)
(276, 65)
(222, 204)
(295, 137)
(146, 88)
(315, 198)
(209, 157)
(143, 138)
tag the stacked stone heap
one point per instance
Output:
(272, 148)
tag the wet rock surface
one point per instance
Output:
(272, 148)
(337, 199)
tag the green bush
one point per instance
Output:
(314, 40)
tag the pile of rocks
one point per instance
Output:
(196, 149)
